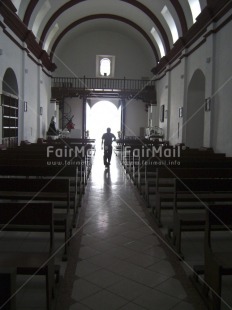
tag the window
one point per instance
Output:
(105, 65)
(159, 42)
(195, 8)
(171, 23)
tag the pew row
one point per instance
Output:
(51, 190)
(217, 259)
(15, 216)
(191, 198)
(54, 172)
(162, 180)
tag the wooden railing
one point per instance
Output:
(85, 83)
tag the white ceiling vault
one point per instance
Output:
(158, 22)
(164, 26)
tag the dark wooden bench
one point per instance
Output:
(217, 264)
(146, 166)
(217, 259)
(51, 155)
(7, 288)
(162, 180)
(34, 189)
(30, 217)
(191, 198)
(55, 172)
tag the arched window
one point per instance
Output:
(105, 67)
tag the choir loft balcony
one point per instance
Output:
(104, 88)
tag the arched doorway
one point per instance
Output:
(9, 102)
(101, 115)
(195, 110)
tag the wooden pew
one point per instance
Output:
(30, 217)
(217, 264)
(148, 170)
(51, 155)
(217, 261)
(55, 172)
(7, 288)
(163, 181)
(32, 190)
(191, 195)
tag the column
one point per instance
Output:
(123, 116)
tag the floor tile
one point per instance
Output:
(164, 267)
(142, 260)
(104, 300)
(183, 306)
(128, 289)
(132, 306)
(156, 300)
(82, 289)
(87, 252)
(172, 287)
(104, 260)
(78, 306)
(103, 278)
(84, 268)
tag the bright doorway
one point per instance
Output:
(101, 115)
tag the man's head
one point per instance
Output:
(108, 129)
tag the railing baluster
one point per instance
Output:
(133, 85)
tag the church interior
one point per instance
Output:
(115, 155)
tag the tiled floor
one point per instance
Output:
(117, 260)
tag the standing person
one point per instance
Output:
(107, 139)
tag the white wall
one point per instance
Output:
(76, 58)
(136, 117)
(215, 62)
(222, 97)
(34, 88)
(8, 59)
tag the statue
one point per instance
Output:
(52, 131)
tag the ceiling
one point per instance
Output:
(53, 21)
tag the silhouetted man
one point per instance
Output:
(107, 139)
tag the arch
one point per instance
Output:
(195, 110)
(140, 6)
(100, 16)
(97, 122)
(9, 82)
(30, 8)
(9, 102)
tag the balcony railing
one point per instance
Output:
(101, 83)
(104, 87)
